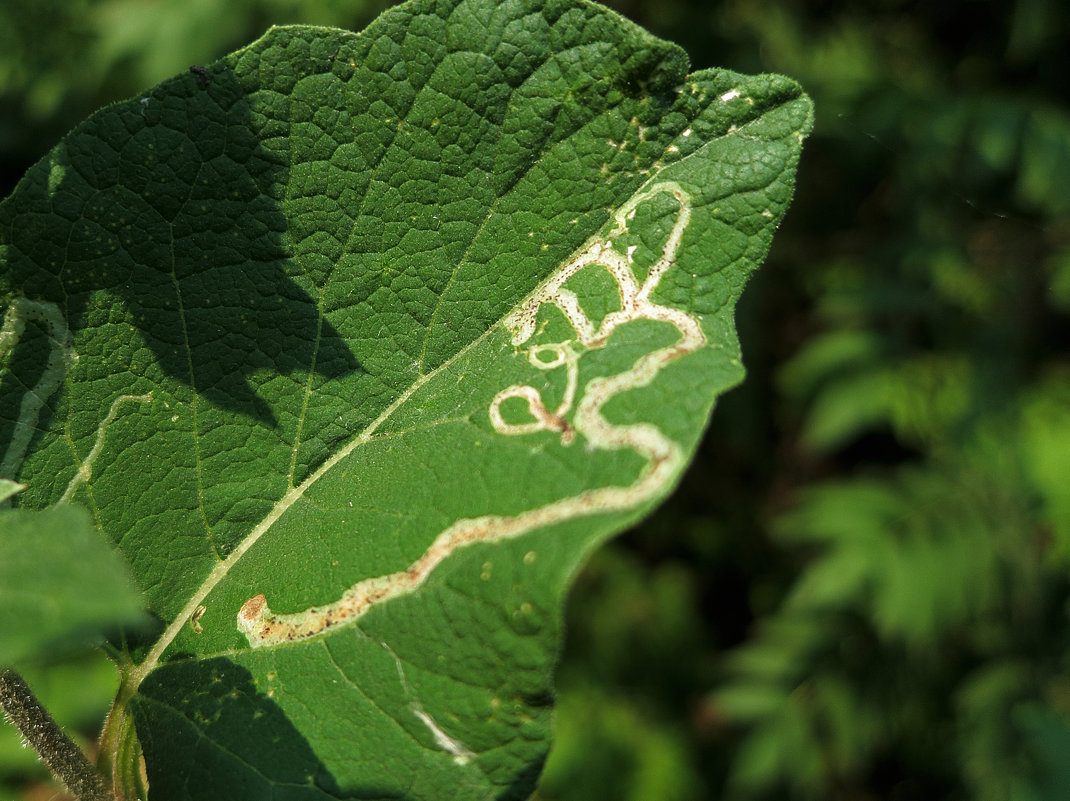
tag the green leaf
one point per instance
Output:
(60, 583)
(356, 345)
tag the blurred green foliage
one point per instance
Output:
(861, 590)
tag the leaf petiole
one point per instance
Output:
(54, 748)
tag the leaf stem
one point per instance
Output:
(41, 732)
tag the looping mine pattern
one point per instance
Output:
(544, 419)
(662, 456)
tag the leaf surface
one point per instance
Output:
(61, 583)
(356, 344)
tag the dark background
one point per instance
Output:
(861, 589)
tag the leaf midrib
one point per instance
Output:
(280, 507)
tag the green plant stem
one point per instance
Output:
(41, 732)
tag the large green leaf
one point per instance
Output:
(356, 345)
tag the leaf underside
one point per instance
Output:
(355, 345)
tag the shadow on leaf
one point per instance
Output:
(170, 203)
(204, 724)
